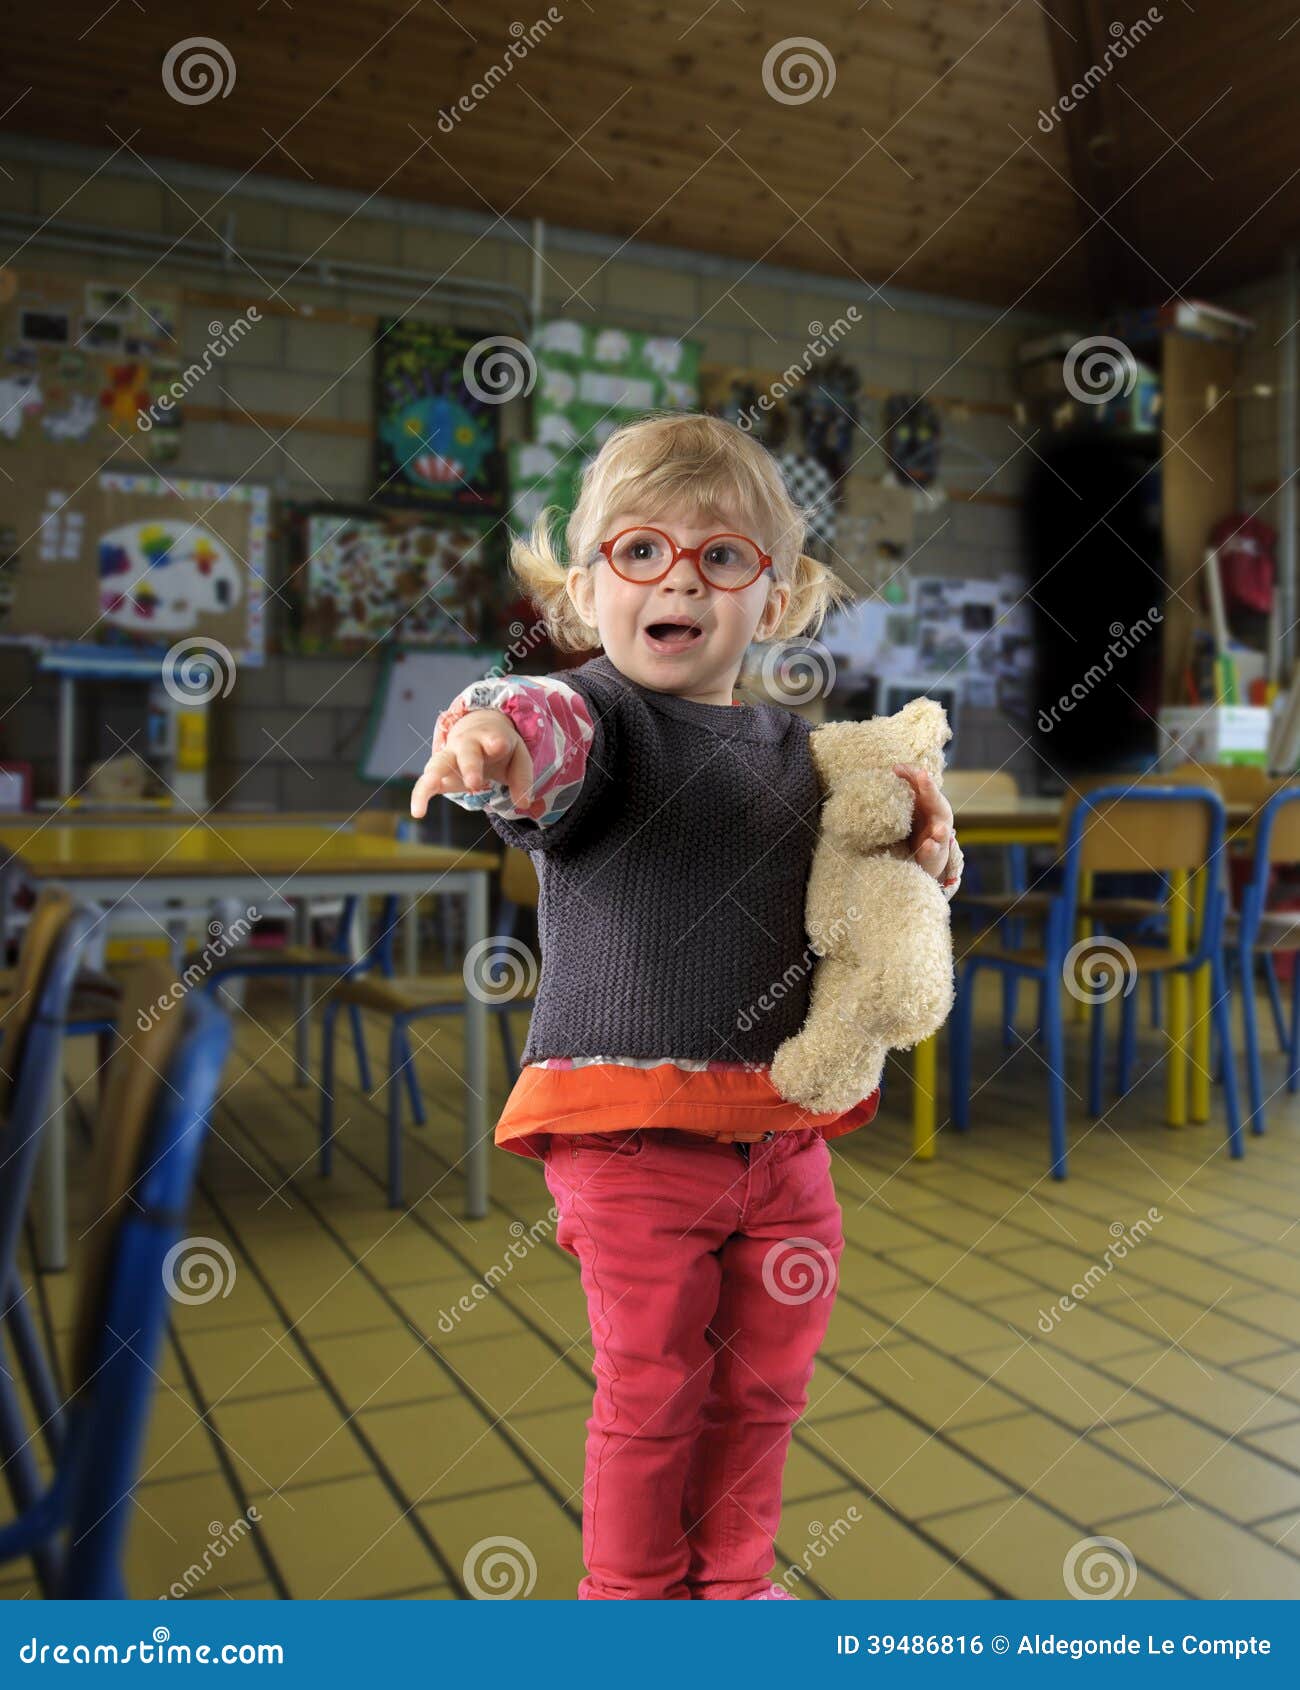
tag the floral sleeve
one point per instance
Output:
(952, 870)
(555, 724)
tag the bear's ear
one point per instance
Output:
(927, 722)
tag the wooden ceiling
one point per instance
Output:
(926, 165)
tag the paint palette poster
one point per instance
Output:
(437, 429)
(367, 579)
(139, 559)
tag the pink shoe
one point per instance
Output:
(773, 1593)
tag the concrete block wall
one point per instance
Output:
(289, 736)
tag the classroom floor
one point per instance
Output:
(953, 1447)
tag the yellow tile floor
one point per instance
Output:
(960, 1440)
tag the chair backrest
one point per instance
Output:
(1145, 828)
(970, 786)
(30, 1049)
(45, 928)
(519, 884)
(163, 1077)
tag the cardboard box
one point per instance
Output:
(1224, 733)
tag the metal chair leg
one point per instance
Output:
(1250, 1028)
(1223, 1020)
(1054, 1042)
(327, 1088)
(1127, 1050)
(359, 1044)
(1096, 1058)
(1275, 998)
(398, 1055)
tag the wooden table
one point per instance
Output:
(198, 861)
(1037, 821)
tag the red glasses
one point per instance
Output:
(645, 555)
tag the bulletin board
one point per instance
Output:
(413, 687)
(81, 361)
(137, 559)
(591, 380)
(359, 576)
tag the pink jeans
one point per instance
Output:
(710, 1271)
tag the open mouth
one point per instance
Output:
(672, 636)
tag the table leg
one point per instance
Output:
(1176, 1005)
(302, 994)
(925, 1067)
(476, 1079)
(52, 1181)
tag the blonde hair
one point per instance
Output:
(692, 461)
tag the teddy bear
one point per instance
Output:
(877, 923)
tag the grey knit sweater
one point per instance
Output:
(672, 888)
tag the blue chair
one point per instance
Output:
(404, 1001)
(1116, 829)
(153, 1124)
(1258, 932)
(331, 962)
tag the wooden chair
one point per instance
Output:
(154, 1122)
(1170, 830)
(404, 1001)
(1258, 932)
(32, 1020)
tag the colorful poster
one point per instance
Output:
(364, 578)
(437, 441)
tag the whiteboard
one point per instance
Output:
(413, 688)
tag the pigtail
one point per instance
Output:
(540, 570)
(815, 591)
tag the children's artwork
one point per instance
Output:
(365, 577)
(160, 576)
(437, 433)
(589, 381)
(138, 559)
(80, 362)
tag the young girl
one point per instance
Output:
(672, 829)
